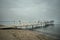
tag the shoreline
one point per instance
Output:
(34, 31)
(47, 34)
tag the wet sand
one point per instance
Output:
(14, 34)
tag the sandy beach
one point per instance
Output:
(14, 34)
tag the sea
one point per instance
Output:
(51, 30)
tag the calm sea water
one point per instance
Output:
(52, 30)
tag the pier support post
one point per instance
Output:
(32, 27)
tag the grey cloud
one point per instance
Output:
(30, 10)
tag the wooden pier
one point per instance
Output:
(27, 25)
(24, 26)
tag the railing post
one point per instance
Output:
(19, 21)
(14, 22)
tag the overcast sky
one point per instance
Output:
(30, 10)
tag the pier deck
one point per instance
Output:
(25, 25)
